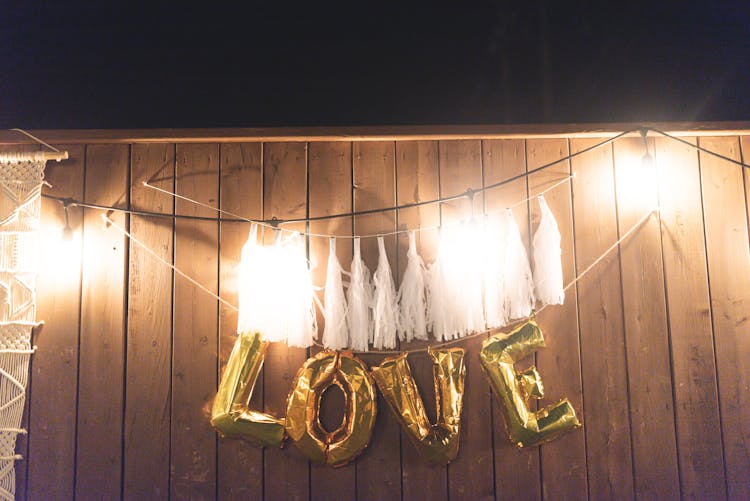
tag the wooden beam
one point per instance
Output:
(369, 133)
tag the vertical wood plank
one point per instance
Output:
(286, 472)
(54, 366)
(149, 341)
(417, 179)
(102, 341)
(563, 461)
(471, 475)
(610, 468)
(689, 314)
(650, 381)
(379, 466)
(195, 325)
(330, 168)
(516, 470)
(240, 464)
(729, 271)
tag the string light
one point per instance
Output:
(67, 231)
(647, 161)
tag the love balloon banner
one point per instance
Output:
(438, 443)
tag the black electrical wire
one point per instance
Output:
(275, 221)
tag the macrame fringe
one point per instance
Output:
(335, 333)
(411, 296)
(385, 306)
(548, 275)
(360, 299)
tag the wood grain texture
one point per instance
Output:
(240, 463)
(669, 308)
(605, 383)
(470, 476)
(54, 366)
(286, 472)
(563, 461)
(149, 340)
(418, 179)
(379, 466)
(516, 470)
(725, 214)
(656, 473)
(330, 176)
(103, 318)
(195, 325)
(693, 364)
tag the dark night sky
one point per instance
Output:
(98, 66)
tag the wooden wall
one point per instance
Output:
(652, 346)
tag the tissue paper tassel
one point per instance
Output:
(275, 291)
(518, 281)
(455, 284)
(335, 333)
(411, 296)
(548, 275)
(495, 289)
(360, 297)
(385, 306)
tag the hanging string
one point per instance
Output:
(36, 139)
(698, 147)
(184, 275)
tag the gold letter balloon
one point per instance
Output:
(514, 389)
(437, 443)
(338, 447)
(230, 415)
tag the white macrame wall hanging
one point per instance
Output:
(20, 191)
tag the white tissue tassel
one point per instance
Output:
(438, 314)
(519, 283)
(296, 293)
(548, 275)
(275, 291)
(359, 296)
(385, 307)
(411, 296)
(495, 304)
(335, 333)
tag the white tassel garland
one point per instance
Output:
(548, 275)
(519, 282)
(385, 307)
(335, 333)
(360, 297)
(411, 296)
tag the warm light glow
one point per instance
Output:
(636, 179)
(461, 255)
(275, 290)
(59, 252)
